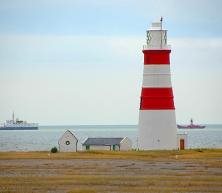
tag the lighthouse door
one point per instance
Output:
(182, 144)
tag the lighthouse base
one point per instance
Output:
(157, 130)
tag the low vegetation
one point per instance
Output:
(185, 171)
(54, 150)
(138, 155)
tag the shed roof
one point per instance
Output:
(67, 132)
(103, 141)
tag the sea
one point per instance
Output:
(47, 136)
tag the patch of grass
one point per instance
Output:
(83, 190)
(199, 150)
(109, 171)
(137, 155)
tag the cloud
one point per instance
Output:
(67, 50)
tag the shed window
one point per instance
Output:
(67, 142)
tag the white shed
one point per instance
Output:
(68, 142)
(182, 141)
(119, 144)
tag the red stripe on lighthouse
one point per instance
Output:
(156, 99)
(156, 57)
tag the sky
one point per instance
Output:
(68, 62)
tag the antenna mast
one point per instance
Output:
(161, 27)
(13, 117)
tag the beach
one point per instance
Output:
(198, 170)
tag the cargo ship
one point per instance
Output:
(16, 124)
(191, 126)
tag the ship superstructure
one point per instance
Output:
(191, 126)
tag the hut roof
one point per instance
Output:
(103, 141)
(67, 132)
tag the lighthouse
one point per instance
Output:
(157, 120)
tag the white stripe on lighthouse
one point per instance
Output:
(157, 129)
(156, 76)
(160, 69)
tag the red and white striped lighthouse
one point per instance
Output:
(157, 121)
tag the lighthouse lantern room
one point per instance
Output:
(157, 121)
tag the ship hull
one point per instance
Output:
(190, 127)
(19, 128)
